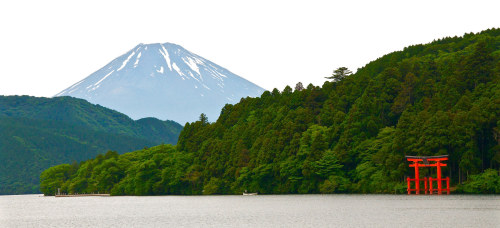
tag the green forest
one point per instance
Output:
(37, 133)
(348, 136)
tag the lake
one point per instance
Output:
(252, 211)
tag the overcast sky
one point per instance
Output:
(46, 46)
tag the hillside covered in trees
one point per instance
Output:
(350, 135)
(37, 133)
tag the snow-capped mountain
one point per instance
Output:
(164, 81)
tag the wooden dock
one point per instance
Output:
(81, 195)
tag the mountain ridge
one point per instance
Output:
(74, 110)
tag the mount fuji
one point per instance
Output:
(164, 81)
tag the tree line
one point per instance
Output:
(349, 135)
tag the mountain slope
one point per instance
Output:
(82, 113)
(28, 146)
(346, 136)
(36, 133)
(164, 81)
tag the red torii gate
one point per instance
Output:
(417, 180)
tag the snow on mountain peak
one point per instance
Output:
(153, 77)
(126, 61)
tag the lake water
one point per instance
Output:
(252, 211)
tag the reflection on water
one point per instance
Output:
(252, 211)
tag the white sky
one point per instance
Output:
(46, 46)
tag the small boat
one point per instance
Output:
(249, 193)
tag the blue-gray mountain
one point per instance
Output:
(164, 81)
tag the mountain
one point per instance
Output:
(80, 112)
(36, 133)
(350, 135)
(164, 81)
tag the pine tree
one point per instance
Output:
(299, 86)
(339, 74)
(203, 119)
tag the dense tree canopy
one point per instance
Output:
(349, 135)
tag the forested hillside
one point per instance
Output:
(350, 135)
(80, 112)
(37, 133)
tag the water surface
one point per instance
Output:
(252, 211)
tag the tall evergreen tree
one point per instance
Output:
(340, 74)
